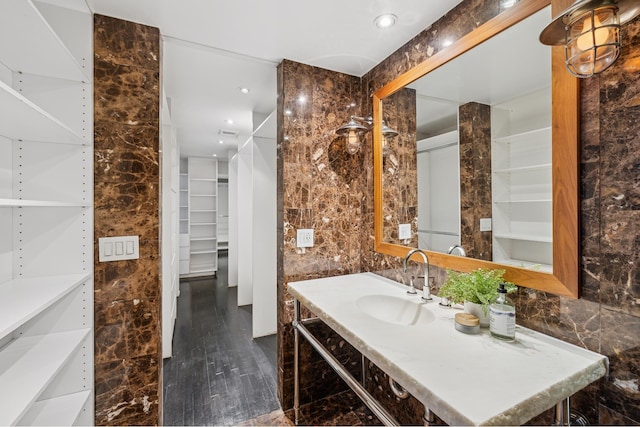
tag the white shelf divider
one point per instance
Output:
(59, 411)
(23, 299)
(29, 364)
(527, 237)
(531, 168)
(40, 51)
(29, 122)
(523, 136)
(17, 203)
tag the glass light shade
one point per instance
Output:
(592, 42)
(352, 142)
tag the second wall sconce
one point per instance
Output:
(356, 126)
(590, 33)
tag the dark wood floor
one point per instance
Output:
(218, 374)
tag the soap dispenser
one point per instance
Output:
(502, 317)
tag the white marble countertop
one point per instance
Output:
(464, 379)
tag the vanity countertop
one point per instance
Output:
(464, 379)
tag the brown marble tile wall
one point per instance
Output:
(474, 132)
(399, 164)
(128, 358)
(320, 186)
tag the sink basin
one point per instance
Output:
(408, 311)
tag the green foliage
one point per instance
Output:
(479, 286)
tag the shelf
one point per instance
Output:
(23, 299)
(16, 203)
(526, 237)
(532, 168)
(203, 195)
(184, 220)
(202, 239)
(526, 264)
(210, 251)
(204, 179)
(202, 210)
(522, 201)
(58, 411)
(39, 50)
(202, 223)
(29, 364)
(209, 269)
(30, 122)
(522, 136)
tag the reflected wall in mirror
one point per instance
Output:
(472, 165)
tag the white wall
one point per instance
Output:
(264, 237)
(170, 230)
(245, 223)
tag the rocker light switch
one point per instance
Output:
(118, 248)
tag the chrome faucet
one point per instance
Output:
(458, 248)
(426, 291)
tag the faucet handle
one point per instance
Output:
(412, 289)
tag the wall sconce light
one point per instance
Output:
(590, 33)
(352, 130)
(359, 125)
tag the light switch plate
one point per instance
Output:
(118, 248)
(404, 231)
(305, 237)
(485, 224)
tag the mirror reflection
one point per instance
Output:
(479, 172)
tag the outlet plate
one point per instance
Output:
(485, 224)
(305, 237)
(404, 231)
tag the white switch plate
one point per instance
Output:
(485, 224)
(118, 248)
(305, 237)
(404, 231)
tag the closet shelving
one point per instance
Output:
(521, 182)
(203, 207)
(46, 195)
(184, 223)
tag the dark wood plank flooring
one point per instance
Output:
(218, 374)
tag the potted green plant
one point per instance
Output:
(476, 290)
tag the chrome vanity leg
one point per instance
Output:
(428, 417)
(296, 361)
(562, 416)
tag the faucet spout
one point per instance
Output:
(457, 248)
(426, 291)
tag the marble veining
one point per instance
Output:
(128, 371)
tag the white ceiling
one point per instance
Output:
(213, 47)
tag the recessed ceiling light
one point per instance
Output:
(244, 90)
(221, 142)
(386, 20)
(215, 155)
(229, 121)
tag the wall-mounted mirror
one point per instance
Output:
(482, 160)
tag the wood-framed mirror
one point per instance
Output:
(563, 276)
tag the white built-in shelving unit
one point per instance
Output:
(521, 164)
(203, 216)
(223, 206)
(184, 222)
(46, 214)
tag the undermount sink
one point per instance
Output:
(408, 311)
